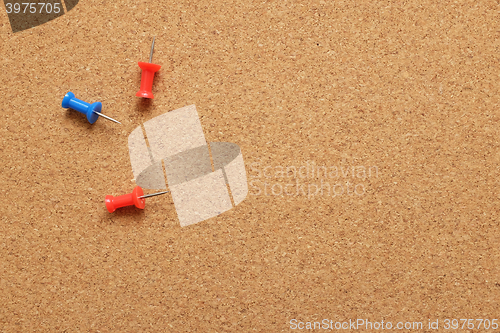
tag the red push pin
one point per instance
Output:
(148, 73)
(136, 198)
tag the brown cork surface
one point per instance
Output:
(382, 116)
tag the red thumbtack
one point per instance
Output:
(148, 73)
(136, 198)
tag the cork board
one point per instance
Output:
(369, 135)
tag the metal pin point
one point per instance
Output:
(152, 48)
(152, 195)
(109, 118)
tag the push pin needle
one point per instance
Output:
(152, 48)
(136, 198)
(152, 195)
(109, 118)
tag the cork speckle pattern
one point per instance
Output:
(369, 134)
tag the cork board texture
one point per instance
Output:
(366, 134)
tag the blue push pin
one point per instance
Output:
(92, 111)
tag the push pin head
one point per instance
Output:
(148, 72)
(131, 199)
(92, 111)
(136, 198)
